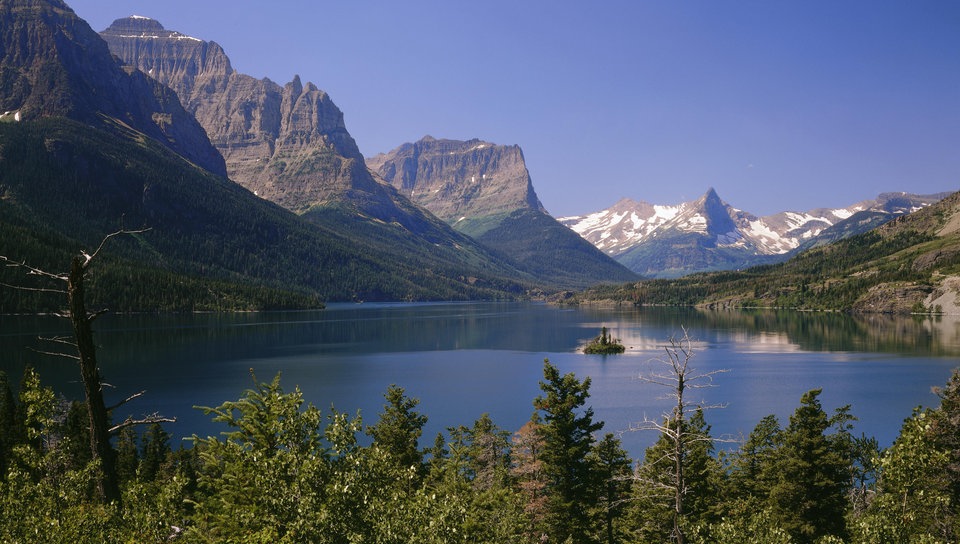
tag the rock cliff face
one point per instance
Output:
(463, 183)
(288, 144)
(484, 190)
(53, 64)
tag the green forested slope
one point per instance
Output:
(211, 243)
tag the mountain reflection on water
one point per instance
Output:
(464, 359)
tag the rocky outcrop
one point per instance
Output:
(461, 182)
(484, 190)
(288, 144)
(53, 64)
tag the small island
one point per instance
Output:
(604, 344)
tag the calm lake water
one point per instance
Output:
(464, 359)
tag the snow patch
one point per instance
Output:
(843, 213)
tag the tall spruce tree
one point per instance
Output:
(398, 430)
(613, 468)
(809, 497)
(567, 435)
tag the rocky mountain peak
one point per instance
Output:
(718, 217)
(53, 64)
(288, 144)
(178, 61)
(459, 180)
(709, 234)
(137, 24)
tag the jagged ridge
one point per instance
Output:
(709, 234)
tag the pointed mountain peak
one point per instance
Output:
(710, 196)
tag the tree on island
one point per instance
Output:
(604, 344)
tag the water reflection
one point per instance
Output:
(464, 359)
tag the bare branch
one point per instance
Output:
(31, 270)
(55, 354)
(95, 315)
(146, 420)
(58, 340)
(90, 257)
(126, 400)
(34, 289)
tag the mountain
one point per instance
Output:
(75, 168)
(709, 234)
(468, 184)
(65, 69)
(910, 264)
(484, 190)
(288, 144)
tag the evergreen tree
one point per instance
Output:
(127, 458)
(655, 515)
(76, 435)
(155, 451)
(613, 469)
(8, 424)
(531, 479)
(567, 436)
(398, 430)
(809, 496)
(667, 477)
(752, 469)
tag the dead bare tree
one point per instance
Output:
(678, 377)
(81, 321)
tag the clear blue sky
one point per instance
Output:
(777, 105)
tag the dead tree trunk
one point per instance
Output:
(81, 320)
(92, 384)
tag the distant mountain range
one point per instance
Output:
(256, 195)
(290, 145)
(908, 265)
(664, 241)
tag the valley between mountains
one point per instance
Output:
(253, 194)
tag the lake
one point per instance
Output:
(464, 359)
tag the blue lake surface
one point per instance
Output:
(465, 359)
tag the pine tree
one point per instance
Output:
(809, 497)
(155, 451)
(398, 430)
(567, 435)
(613, 468)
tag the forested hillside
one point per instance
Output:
(211, 245)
